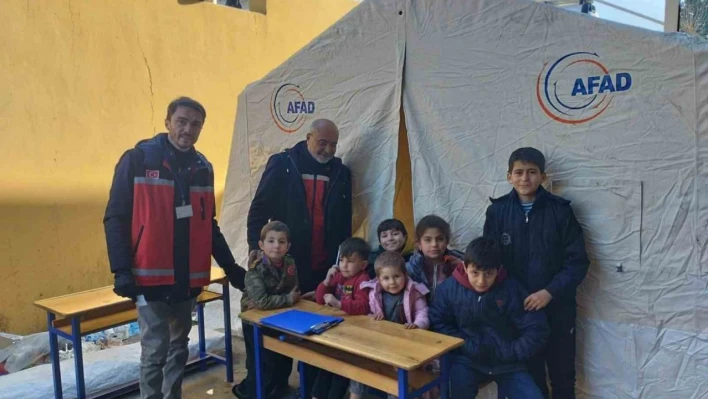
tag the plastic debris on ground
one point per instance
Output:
(24, 352)
(104, 370)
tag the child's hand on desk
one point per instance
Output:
(377, 316)
(330, 274)
(308, 296)
(410, 326)
(332, 301)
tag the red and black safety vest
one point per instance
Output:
(154, 218)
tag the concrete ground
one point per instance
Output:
(212, 384)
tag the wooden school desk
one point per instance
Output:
(380, 354)
(75, 315)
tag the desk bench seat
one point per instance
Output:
(75, 315)
(377, 375)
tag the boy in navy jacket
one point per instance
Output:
(485, 307)
(543, 248)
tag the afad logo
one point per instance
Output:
(578, 88)
(289, 109)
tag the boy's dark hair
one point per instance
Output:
(528, 155)
(391, 224)
(185, 102)
(355, 245)
(390, 259)
(484, 253)
(432, 222)
(275, 226)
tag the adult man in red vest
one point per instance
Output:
(161, 232)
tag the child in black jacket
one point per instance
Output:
(483, 306)
(543, 248)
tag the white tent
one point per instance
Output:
(621, 114)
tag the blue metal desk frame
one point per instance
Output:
(443, 381)
(75, 338)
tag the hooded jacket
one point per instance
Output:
(415, 307)
(416, 269)
(349, 291)
(500, 336)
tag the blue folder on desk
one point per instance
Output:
(303, 323)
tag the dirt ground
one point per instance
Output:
(212, 384)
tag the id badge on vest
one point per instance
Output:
(184, 211)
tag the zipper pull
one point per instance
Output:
(527, 218)
(479, 299)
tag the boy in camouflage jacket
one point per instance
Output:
(271, 283)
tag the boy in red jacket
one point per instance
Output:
(341, 289)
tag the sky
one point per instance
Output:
(651, 8)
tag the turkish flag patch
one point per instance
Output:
(152, 174)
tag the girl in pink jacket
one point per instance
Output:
(394, 297)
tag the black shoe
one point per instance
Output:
(241, 392)
(278, 392)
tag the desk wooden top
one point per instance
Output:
(382, 341)
(98, 298)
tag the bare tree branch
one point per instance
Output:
(694, 17)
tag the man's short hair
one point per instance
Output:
(354, 245)
(483, 253)
(275, 226)
(185, 102)
(528, 155)
(318, 124)
(390, 259)
(432, 222)
(391, 224)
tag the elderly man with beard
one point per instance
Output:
(310, 190)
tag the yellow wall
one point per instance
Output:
(84, 80)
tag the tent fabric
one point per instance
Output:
(620, 113)
(351, 74)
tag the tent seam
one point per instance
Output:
(696, 173)
(248, 145)
(402, 112)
